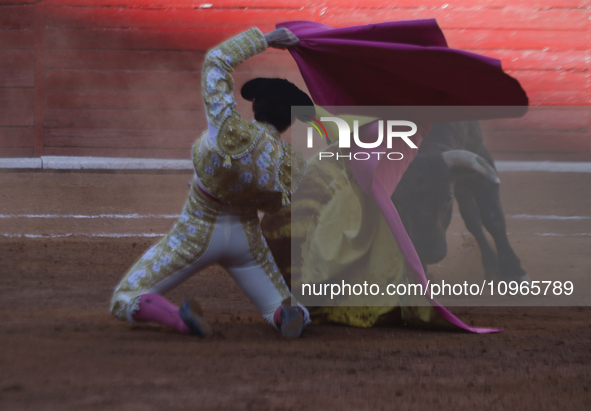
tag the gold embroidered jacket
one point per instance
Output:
(239, 162)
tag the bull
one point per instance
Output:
(452, 161)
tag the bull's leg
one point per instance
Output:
(488, 200)
(471, 216)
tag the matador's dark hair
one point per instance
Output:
(273, 98)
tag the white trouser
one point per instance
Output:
(207, 233)
(229, 248)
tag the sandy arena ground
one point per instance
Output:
(61, 349)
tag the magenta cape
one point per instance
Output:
(403, 63)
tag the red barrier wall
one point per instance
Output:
(121, 78)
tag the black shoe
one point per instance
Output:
(192, 316)
(292, 320)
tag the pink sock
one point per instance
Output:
(277, 316)
(155, 308)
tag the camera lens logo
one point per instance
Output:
(318, 126)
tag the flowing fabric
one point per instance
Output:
(403, 63)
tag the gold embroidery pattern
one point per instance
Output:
(184, 244)
(249, 165)
(261, 253)
(235, 138)
(252, 180)
(217, 84)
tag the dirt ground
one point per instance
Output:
(62, 350)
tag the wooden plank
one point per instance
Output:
(516, 40)
(537, 141)
(559, 98)
(159, 4)
(148, 80)
(146, 39)
(17, 118)
(542, 4)
(124, 60)
(126, 119)
(117, 138)
(17, 39)
(13, 137)
(175, 19)
(17, 17)
(534, 82)
(550, 79)
(153, 60)
(17, 59)
(539, 60)
(40, 12)
(17, 78)
(507, 18)
(136, 39)
(122, 80)
(184, 153)
(513, 18)
(17, 99)
(538, 118)
(325, 3)
(17, 2)
(74, 99)
(133, 119)
(16, 152)
(93, 96)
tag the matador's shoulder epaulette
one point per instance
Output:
(235, 138)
